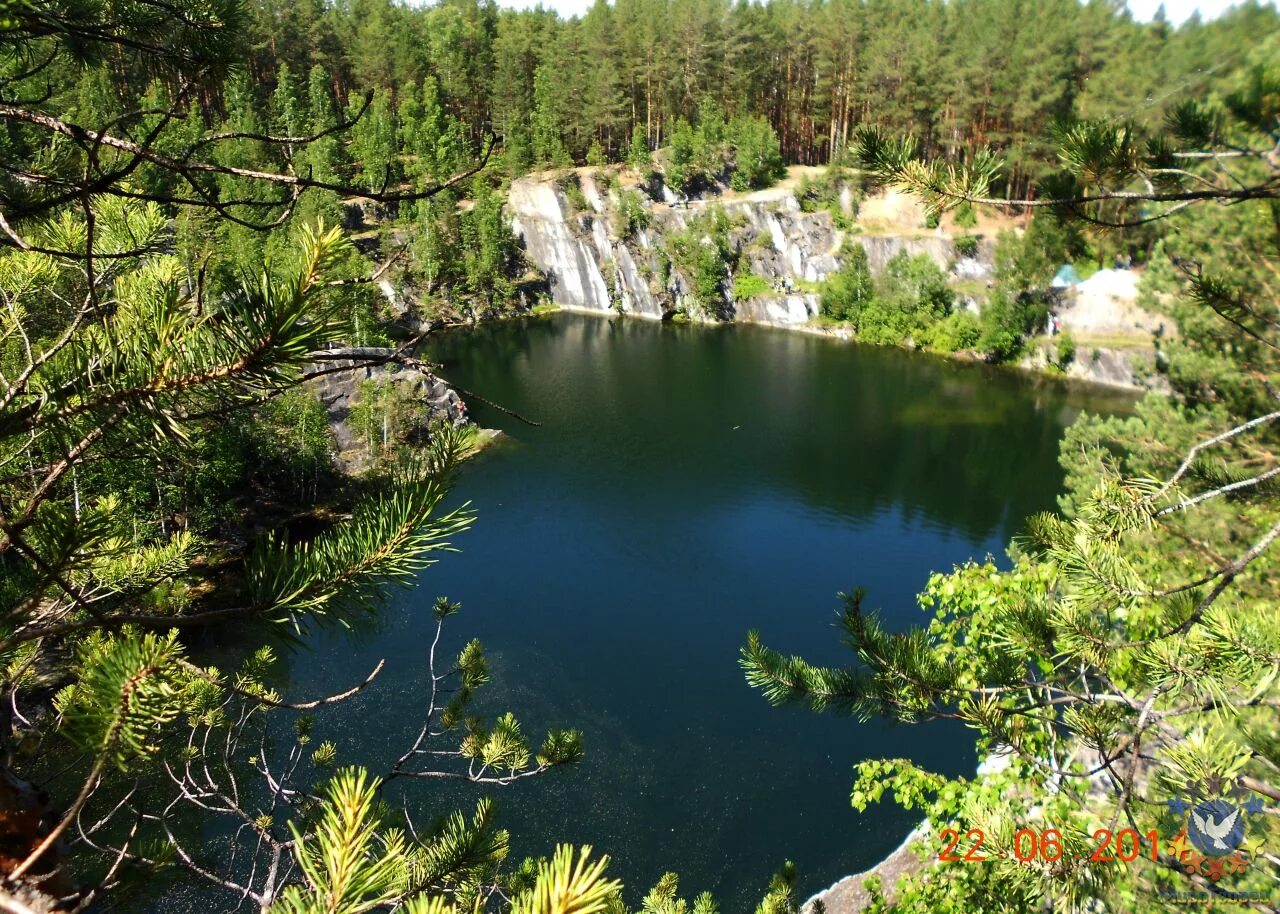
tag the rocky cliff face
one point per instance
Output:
(598, 259)
(340, 391)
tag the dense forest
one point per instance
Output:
(403, 97)
(197, 199)
(958, 75)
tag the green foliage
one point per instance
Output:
(548, 116)
(348, 866)
(373, 141)
(706, 255)
(1066, 350)
(639, 158)
(630, 216)
(958, 331)
(757, 156)
(681, 173)
(1006, 322)
(967, 245)
(749, 286)
(824, 193)
(490, 251)
(908, 303)
(573, 193)
(1030, 260)
(1126, 657)
(850, 291)
(569, 884)
(124, 694)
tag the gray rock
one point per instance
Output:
(590, 269)
(340, 391)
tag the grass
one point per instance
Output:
(1137, 340)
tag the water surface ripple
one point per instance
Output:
(687, 484)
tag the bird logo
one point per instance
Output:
(1216, 827)
(1217, 818)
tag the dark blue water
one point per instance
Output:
(687, 484)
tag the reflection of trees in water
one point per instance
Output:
(854, 430)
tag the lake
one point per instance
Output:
(687, 484)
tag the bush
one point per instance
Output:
(639, 159)
(1007, 321)
(705, 255)
(630, 216)
(1066, 350)
(917, 286)
(750, 286)
(697, 154)
(1030, 261)
(850, 290)
(824, 193)
(957, 331)
(909, 301)
(965, 217)
(573, 193)
(967, 246)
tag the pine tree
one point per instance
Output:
(1115, 669)
(373, 141)
(548, 141)
(639, 159)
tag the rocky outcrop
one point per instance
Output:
(605, 245)
(340, 391)
(1129, 368)
(850, 895)
(597, 258)
(571, 252)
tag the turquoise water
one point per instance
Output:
(687, 484)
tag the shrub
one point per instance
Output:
(573, 193)
(850, 290)
(1066, 350)
(967, 245)
(639, 159)
(750, 286)
(680, 172)
(706, 256)
(757, 156)
(824, 193)
(1007, 321)
(630, 216)
(958, 330)
(916, 285)
(697, 154)
(1030, 261)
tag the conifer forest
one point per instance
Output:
(435, 436)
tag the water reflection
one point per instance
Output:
(687, 484)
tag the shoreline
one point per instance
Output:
(842, 335)
(848, 896)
